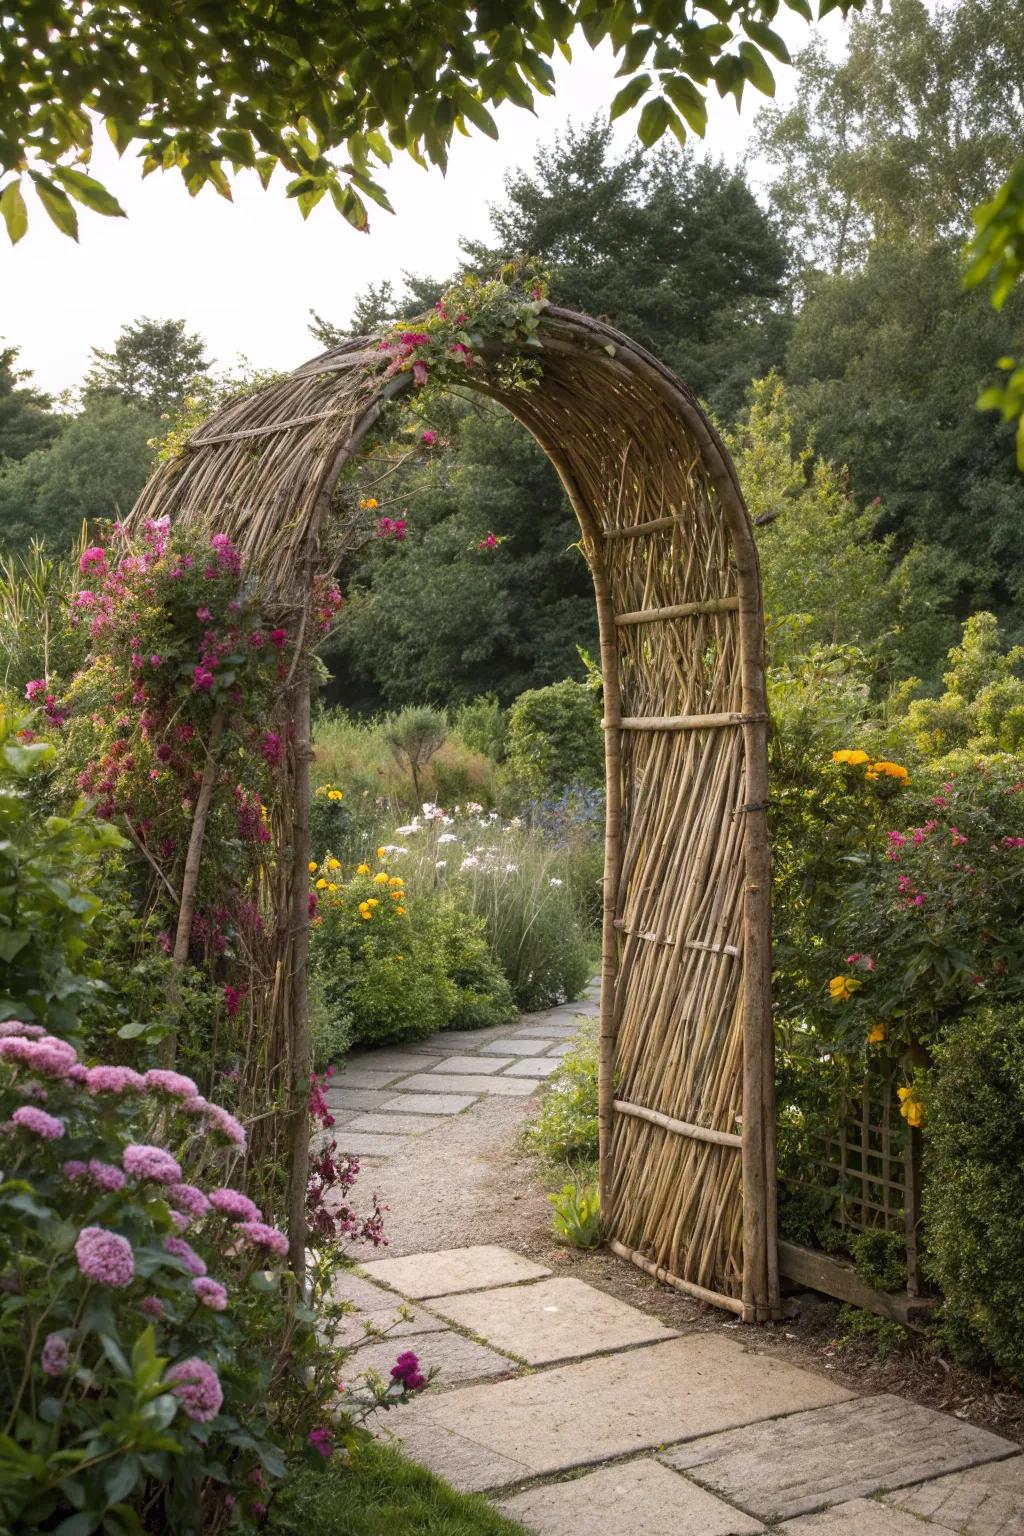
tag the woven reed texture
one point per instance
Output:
(685, 1013)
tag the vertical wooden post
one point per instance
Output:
(298, 982)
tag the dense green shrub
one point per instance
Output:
(482, 725)
(565, 1130)
(414, 736)
(555, 739)
(974, 1185)
(392, 966)
(881, 1258)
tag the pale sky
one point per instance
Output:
(245, 274)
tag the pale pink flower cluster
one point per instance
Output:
(258, 1235)
(175, 1083)
(29, 1118)
(114, 1080)
(210, 1293)
(188, 1198)
(179, 1249)
(105, 1257)
(197, 1387)
(232, 1203)
(147, 1162)
(54, 1355)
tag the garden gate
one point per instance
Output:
(687, 1164)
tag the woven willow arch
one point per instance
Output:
(687, 1082)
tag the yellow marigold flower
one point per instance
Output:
(312, 866)
(852, 758)
(396, 880)
(911, 1107)
(400, 911)
(321, 884)
(381, 852)
(333, 863)
(363, 907)
(369, 504)
(877, 1033)
(380, 879)
(889, 771)
(332, 886)
(373, 902)
(365, 915)
(362, 869)
(335, 794)
(843, 987)
(397, 895)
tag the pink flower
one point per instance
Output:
(174, 1083)
(47, 1055)
(258, 1235)
(106, 1175)
(179, 1249)
(406, 1371)
(54, 1356)
(147, 1162)
(197, 1388)
(224, 1122)
(27, 1031)
(202, 679)
(897, 839)
(152, 1306)
(156, 660)
(210, 1293)
(232, 1203)
(278, 637)
(420, 372)
(233, 999)
(255, 640)
(74, 1169)
(36, 688)
(114, 1080)
(272, 749)
(322, 1440)
(429, 438)
(93, 559)
(204, 615)
(105, 1257)
(189, 1199)
(29, 1118)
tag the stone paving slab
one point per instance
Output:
(346, 1285)
(439, 1103)
(451, 1040)
(858, 1517)
(354, 1329)
(642, 1498)
(367, 1143)
(364, 1077)
(459, 1064)
(421, 1275)
(441, 1082)
(794, 1465)
(459, 1460)
(528, 1046)
(984, 1501)
(533, 1066)
(563, 1048)
(395, 1124)
(354, 1098)
(552, 1320)
(558, 1029)
(574, 1415)
(459, 1359)
(399, 1061)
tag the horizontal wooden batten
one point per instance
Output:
(712, 949)
(651, 936)
(679, 611)
(638, 530)
(678, 722)
(679, 1127)
(698, 1292)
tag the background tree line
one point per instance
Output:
(825, 324)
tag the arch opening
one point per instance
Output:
(687, 1161)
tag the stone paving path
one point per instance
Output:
(580, 1415)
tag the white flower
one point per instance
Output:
(473, 807)
(407, 831)
(510, 869)
(470, 862)
(516, 821)
(447, 837)
(393, 849)
(492, 816)
(553, 881)
(441, 864)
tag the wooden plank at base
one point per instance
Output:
(838, 1278)
(698, 1292)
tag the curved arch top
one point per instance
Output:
(687, 1075)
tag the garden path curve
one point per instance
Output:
(577, 1413)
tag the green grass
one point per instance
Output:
(382, 1494)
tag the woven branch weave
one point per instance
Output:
(687, 1078)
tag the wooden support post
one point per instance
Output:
(299, 1053)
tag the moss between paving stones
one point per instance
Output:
(382, 1494)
